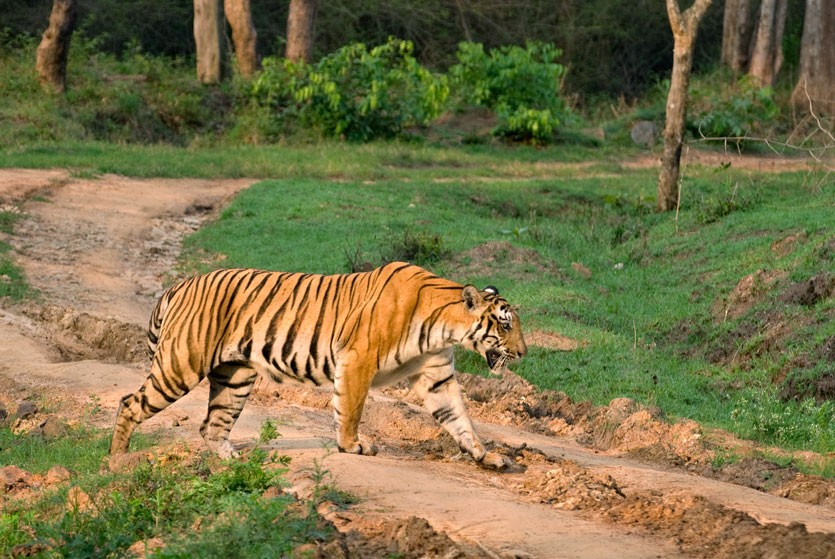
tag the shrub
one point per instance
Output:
(522, 85)
(733, 113)
(355, 93)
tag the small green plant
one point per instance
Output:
(522, 85)
(805, 424)
(269, 432)
(419, 248)
(93, 406)
(325, 490)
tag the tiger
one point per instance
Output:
(356, 331)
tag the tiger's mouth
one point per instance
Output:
(496, 360)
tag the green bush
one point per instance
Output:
(522, 85)
(735, 112)
(355, 93)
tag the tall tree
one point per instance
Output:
(54, 48)
(208, 36)
(685, 27)
(816, 83)
(767, 52)
(300, 22)
(736, 35)
(239, 16)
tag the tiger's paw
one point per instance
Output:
(496, 461)
(223, 449)
(364, 449)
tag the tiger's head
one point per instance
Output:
(497, 333)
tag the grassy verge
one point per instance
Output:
(584, 255)
(12, 283)
(325, 160)
(180, 505)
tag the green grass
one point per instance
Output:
(325, 160)
(646, 312)
(164, 500)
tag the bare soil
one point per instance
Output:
(591, 482)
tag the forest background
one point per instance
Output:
(613, 61)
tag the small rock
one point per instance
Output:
(4, 413)
(122, 463)
(644, 133)
(53, 428)
(56, 474)
(25, 410)
(12, 477)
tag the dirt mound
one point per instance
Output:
(807, 489)
(483, 259)
(705, 529)
(79, 335)
(747, 292)
(568, 486)
(410, 538)
(551, 340)
(622, 426)
(809, 293)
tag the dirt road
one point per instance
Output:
(597, 482)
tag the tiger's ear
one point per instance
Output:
(472, 299)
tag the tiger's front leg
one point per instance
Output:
(441, 395)
(351, 384)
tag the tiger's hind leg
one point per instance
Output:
(159, 391)
(230, 386)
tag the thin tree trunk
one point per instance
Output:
(300, 23)
(208, 35)
(685, 27)
(54, 48)
(736, 33)
(239, 16)
(767, 54)
(815, 87)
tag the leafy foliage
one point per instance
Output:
(734, 112)
(521, 84)
(133, 98)
(356, 93)
(760, 415)
(169, 500)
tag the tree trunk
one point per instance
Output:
(239, 16)
(736, 35)
(685, 26)
(208, 35)
(300, 30)
(815, 87)
(54, 49)
(767, 53)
